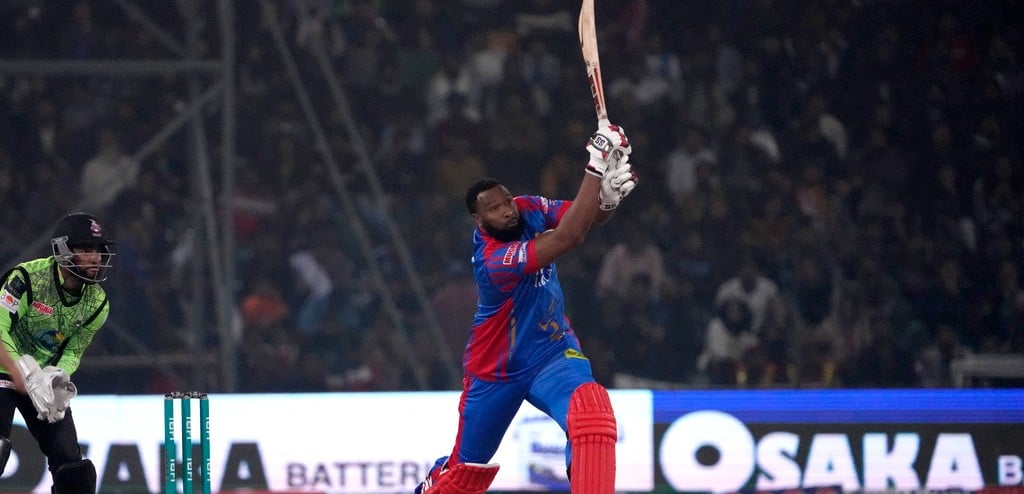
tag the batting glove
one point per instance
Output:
(617, 183)
(608, 145)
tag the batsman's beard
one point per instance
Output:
(509, 234)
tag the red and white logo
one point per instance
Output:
(42, 308)
(510, 254)
(9, 302)
(95, 228)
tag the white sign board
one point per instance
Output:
(336, 442)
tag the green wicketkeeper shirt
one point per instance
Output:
(38, 317)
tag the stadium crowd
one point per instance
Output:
(831, 190)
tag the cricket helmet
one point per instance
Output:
(78, 230)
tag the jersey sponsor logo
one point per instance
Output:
(542, 277)
(522, 253)
(42, 308)
(9, 301)
(510, 254)
(49, 339)
(572, 353)
(545, 204)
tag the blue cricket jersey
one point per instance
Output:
(520, 320)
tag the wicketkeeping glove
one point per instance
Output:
(617, 183)
(607, 146)
(62, 396)
(39, 389)
(63, 391)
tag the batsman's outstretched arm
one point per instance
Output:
(605, 147)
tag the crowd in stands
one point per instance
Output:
(830, 190)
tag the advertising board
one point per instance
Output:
(687, 441)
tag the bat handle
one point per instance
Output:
(602, 122)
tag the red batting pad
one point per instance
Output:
(465, 478)
(592, 434)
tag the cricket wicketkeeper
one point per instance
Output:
(50, 309)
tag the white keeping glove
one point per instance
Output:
(62, 399)
(39, 389)
(55, 375)
(63, 391)
(617, 183)
(607, 146)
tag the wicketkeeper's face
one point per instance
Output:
(90, 260)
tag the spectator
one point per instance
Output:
(458, 153)
(515, 134)
(263, 307)
(314, 281)
(1007, 316)
(814, 290)
(452, 79)
(749, 152)
(728, 337)
(774, 361)
(558, 177)
(751, 287)
(645, 345)
(633, 256)
(932, 365)
(682, 164)
(692, 265)
(541, 72)
(488, 53)
(108, 173)
(951, 300)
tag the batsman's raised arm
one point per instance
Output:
(607, 175)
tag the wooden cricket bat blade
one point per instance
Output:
(588, 45)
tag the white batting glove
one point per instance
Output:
(607, 146)
(617, 183)
(39, 389)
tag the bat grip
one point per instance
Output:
(617, 154)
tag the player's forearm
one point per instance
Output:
(603, 216)
(583, 212)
